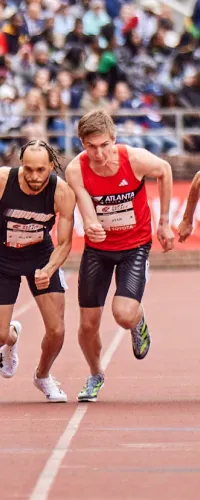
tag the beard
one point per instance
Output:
(35, 187)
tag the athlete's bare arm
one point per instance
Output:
(92, 227)
(145, 163)
(4, 173)
(185, 227)
(64, 207)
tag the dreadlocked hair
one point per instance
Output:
(53, 154)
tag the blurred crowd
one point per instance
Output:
(69, 56)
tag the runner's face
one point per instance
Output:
(36, 169)
(99, 148)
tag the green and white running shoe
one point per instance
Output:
(90, 390)
(141, 339)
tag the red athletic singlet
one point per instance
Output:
(121, 205)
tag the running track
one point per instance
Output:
(141, 441)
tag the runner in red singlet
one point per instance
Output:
(109, 183)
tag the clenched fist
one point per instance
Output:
(95, 233)
(42, 279)
(184, 230)
(165, 236)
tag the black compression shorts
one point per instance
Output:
(13, 265)
(96, 272)
(9, 286)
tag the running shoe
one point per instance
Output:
(90, 390)
(50, 387)
(9, 360)
(141, 339)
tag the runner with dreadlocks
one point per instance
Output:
(30, 198)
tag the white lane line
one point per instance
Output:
(52, 466)
(19, 312)
(112, 348)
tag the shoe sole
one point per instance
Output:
(56, 400)
(89, 400)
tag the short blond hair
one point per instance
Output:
(95, 123)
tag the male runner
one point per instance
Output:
(30, 198)
(109, 183)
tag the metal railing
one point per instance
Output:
(71, 117)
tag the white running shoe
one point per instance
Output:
(49, 386)
(9, 360)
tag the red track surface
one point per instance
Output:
(141, 440)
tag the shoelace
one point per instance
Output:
(137, 335)
(10, 357)
(92, 381)
(51, 383)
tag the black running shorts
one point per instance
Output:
(96, 272)
(17, 264)
(9, 286)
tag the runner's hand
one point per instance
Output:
(95, 233)
(184, 230)
(42, 279)
(165, 236)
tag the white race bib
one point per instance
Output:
(22, 235)
(119, 216)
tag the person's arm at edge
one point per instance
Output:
(185, 227)
(4, 173)
(145, 163)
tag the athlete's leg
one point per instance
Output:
(131, 274)
(51, 303)
(9, 331)
(94, 280)
(52, 306)
(7, 334)
(89, 337)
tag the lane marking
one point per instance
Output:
(23, 309)
(135, 470)
(52, 466)
(122, 448)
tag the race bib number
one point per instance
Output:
(115, 212)
(116, 216)
(22, 235)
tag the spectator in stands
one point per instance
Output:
(23, 68)
(14, 31)
(76, 36)
(64, 83)
(64, 20)
(95, 18)
(95, 96)
(74, 44)
(128, 130)
(56, 122)
(42, 80)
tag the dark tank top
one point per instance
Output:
(25, 220)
